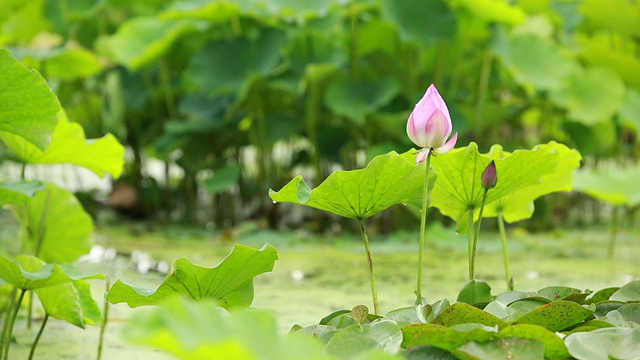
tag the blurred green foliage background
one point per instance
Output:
(242, 95)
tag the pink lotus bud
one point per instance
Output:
(429, 125)
(490, 176)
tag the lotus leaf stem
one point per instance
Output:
(372, 273)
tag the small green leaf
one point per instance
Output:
(387, 180)
(553, 344)
(360, 313)
(506, 348)
(556, 316)
(442, 336)
(33, 120)
(461, 313)
(69, 145)
(627, 315)
(428, 353)
(28, 272)
(476, 293)
(609, 343)
(629, 292)
(554, 293)
(199, 283)
(601, 295)
(588, 326)
(348, 342)
(14, 192)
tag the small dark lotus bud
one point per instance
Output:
(490, 176)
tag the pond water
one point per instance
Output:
(317, 275)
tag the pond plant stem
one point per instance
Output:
(505, 251)
(105, 318)
(476, 230)
(423, 228)
(372, 274)
(35, 342)
(613, 232)
(11, 320)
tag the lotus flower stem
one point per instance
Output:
(105, 319)
(472, 273)
(505, 251)
(372, 273)
(35, 342)
(11, 320)
(423, 228)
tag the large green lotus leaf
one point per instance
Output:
(212, 11)
(28, 107)
(621, 16)
(356, 99)
(608, 343)
(556, 315)
(13, 192)
(616, 186)
(69, 145)
(71, 302)
(313, 55)
(424, 22)
(458, 188)
(506, 348)
(518, 205)
(533, 61)
(494, 11)
(199, 283)
(143, 40)
(462, 313)
(590, 96)
(442, 336)
(72, 63)
(55, 218)
(91, 313)
(62, 302)
(348, 342)
(27, 272)
(201, 330)
(230, 66)
(613, 52)
(387, 180)
(628, 292)
(376, 35)
(553, 344)
(630, 110)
